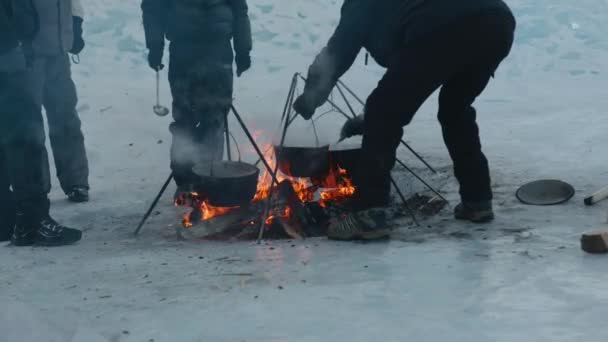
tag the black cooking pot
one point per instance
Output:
(303, 162)
(227, 183)
(345, 156)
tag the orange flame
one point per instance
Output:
(337, 184)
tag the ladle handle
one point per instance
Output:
(157, 89)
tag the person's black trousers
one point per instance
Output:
(24, 165)
(460, 60)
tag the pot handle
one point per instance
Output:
(238, 149)
(314, 129)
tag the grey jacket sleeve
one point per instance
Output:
(77, 9)
(156, 19)
(241, 27)
(340, 53)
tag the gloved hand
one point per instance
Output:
(243, 63)
(155, 57)
(353, 127)
(305, 106)
(78, 44)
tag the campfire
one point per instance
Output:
(292, 206)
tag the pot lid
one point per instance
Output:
(545, 192)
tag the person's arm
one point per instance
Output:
(77, 20)
(9, 38)
(25, 19)
(155, 17)
(243, 42)
(156, 20)
(337, 57)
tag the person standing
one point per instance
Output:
(200, 72)
(50, 83)
(425, 45)
(24, 169)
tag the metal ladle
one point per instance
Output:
(158, 109)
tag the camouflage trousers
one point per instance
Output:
(202, 95)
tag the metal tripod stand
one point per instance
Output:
(243, 126)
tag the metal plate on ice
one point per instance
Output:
(545, 192)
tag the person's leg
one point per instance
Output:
(65, 133)
(413, 76)
(212, 97)
(458, 117)
(7, 202)
(183, 147)
(27, 166)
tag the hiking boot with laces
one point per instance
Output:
(46, 232)
(476, 212)
(369, 224)
(78, 195)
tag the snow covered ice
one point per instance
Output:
(522, 278)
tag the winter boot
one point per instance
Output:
(7, 223)
(78, 195)
(46, 232)
(369, 224)
(476, 212)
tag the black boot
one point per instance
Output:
(24, 233)
(45, 232)
(476, 212)
(369, 224)
(78, 195)
(7, 221)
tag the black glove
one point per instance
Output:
(352, 127)
(78, 44)
(155, 57)
(304, 106)
(243, 63)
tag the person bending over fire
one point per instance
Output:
(425, 45)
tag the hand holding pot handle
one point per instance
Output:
(304, 106)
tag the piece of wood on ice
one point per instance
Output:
(600, 195)
(595, 242)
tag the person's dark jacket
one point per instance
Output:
(18, 22)
(383, 27)
(197, 23)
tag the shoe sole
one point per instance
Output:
(479, 220)
(78, 200)
(54, 244)
(381, 234)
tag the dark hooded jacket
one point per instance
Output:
(383, 27)
(18, 22)
(197, 23)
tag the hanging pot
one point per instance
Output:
(303, 162)
(227, 183)
(345, 156)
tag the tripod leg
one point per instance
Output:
(154, 203)
(228, 149)
(407, 206)
(418, 156)
(421, 180)
(254, 144)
